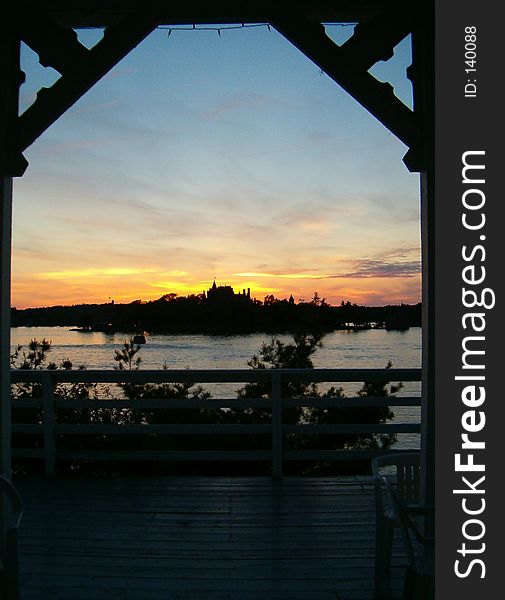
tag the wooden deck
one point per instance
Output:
(198, 538)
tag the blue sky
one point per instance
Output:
(202, 156)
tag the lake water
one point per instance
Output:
(371, 348)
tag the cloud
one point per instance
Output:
(377, 268)
(93, 272)
(35, 253)
(395, 263)
(92, 107)
(120, 71)
(319, 136)
(65, 147)
(242, 101)
(282, 275)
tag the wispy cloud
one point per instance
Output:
(395, 263)
(97, 272)
(377, 268)
(92, 107)
(242, 101)
(282, 275)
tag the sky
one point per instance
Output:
(203, 156)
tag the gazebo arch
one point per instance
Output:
(46, 27)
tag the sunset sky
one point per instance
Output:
(203, 156)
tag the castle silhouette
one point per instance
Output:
(219, 293)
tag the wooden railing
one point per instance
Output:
(48, 404)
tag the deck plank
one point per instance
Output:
(199, 538)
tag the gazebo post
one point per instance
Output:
(428, 340)
(11, 78)
(5, 308)
(11, 164)
(422, 75)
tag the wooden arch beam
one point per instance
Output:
(373, 40)
(80, 68)
(348, 65)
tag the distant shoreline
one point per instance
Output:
(239, 315)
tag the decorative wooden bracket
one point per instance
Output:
(11, 163)
(348, 64)
(79, 67)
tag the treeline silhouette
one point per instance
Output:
(234, 314)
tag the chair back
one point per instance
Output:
(407, 479)
(404, 469)
(419, 577)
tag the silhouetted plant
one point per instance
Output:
(297, 355)
(358, 415)
(36, 358)
(275, 354)
(128, 359)
(281, 355)
(125, 356)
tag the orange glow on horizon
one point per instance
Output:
(124, 285)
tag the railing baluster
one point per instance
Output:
(276, 393)
(49, 423)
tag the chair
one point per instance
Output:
(404, 468)
(10, 503)
(420, 574)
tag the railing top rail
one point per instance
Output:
(214, 375)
